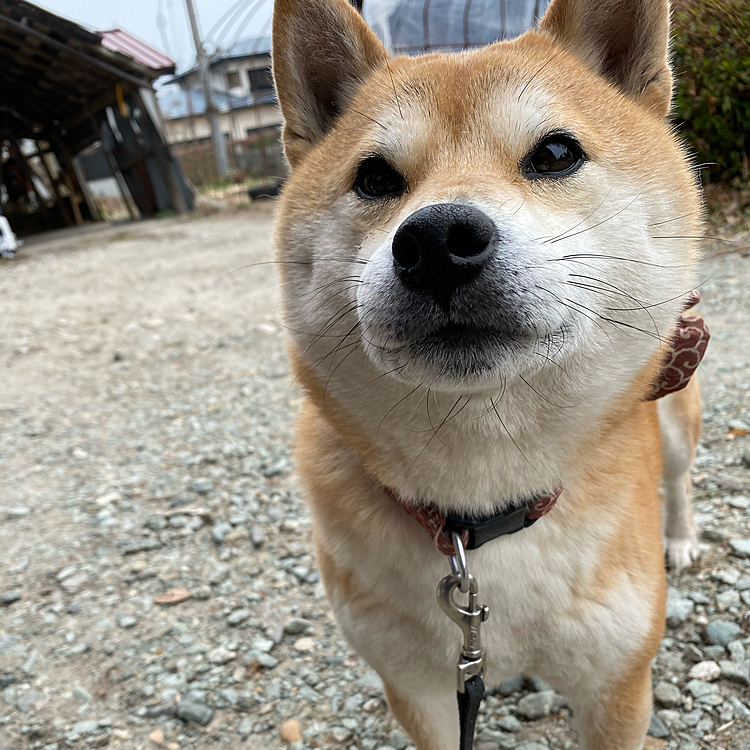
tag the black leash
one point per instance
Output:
(468, 709)
(469, 618)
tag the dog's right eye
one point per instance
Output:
(377, 179)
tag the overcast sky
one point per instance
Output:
(141, 17)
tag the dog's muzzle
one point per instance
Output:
(441, 247)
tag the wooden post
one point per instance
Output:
(29, 180)
(179, 205)
(77, 172)
(70, 178)
(115, 169)
(55, 187)
(90, 202)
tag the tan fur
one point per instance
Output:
(457, 127)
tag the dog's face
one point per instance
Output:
(471, 222)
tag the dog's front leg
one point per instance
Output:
(430, 719)
(617, 718)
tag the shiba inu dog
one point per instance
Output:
(484, 257)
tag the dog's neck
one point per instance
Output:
(482, 458)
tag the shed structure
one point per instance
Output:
(63, 89)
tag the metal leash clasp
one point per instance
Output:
(468, 618)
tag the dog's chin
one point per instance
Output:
(463, 357)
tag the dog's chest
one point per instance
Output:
(546, 617)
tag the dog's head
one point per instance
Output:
(515, 219)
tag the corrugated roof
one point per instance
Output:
(121, 41)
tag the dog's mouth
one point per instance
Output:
(469, 352)
(462, 337)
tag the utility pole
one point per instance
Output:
(217, 139)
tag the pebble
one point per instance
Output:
(667, 694)
(509, 724)
(731, 670)
(202, 486)
(157, 736)
(398, 739)
(238, 616)
(539, 705)
(729, 576)
(722, 632)
(245, 728)
(291, 731)
(139, 544)
(126, 621)
(220, 531)
(657, 728)
(27, 700)
(678, 610)
(275, 469)
(740, 547)
(81, 694)
(736, 651)
(258, 536)
(86, 727)
(199, 713)
(304, 645)
(296, 626)
(108, 499)
(727, 599)
(263, 645)
(8, 597)
(221, 656)
(699, 688)
(511, 685)
(705, 670)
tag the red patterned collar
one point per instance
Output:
(688, 346)
(474, 531)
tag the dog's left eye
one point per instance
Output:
(555, 156)
(378, 179)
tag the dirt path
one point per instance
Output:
(145, 428)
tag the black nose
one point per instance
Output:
(441, 247)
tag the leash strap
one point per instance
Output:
(469, 617)
(468, 710)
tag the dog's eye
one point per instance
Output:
(377, 179)
(555, 156)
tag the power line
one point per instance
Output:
(227, 21)
(245, 21)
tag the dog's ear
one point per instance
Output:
(322, 53)
(626, 41)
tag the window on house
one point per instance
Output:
(260, 80)
(233, 79)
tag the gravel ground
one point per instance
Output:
(157, 582)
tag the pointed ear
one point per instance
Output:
(625, 41)
(322, 53)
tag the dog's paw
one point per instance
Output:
(681, 553)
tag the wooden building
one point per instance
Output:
(63, 89)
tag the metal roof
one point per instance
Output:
(121, 41)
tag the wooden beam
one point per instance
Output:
(117, 72)
(161, 151)
(115, 169)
